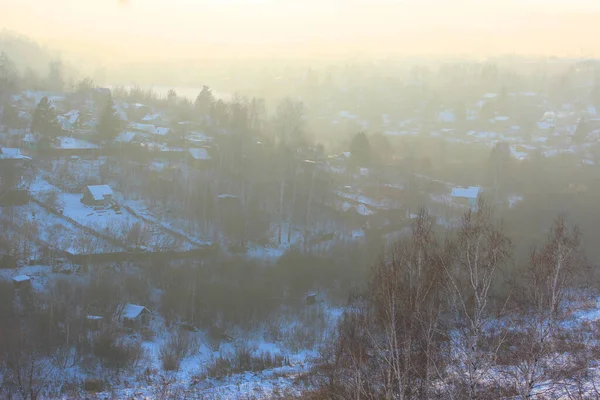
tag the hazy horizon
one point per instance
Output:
(158, 30)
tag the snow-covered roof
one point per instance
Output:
(198, 137)
(132, 311)
(520, 155)
(502, 118)
(144, 127)
(363, 210)
(447, 116)
(470, 193)
(161, 131)
(74, 143)
(7, 152)
(31, 138)
(125, 137)
(151, 117)
(345, 206)
(98, 192)
(227, 196)
(24, 115)
(544, 125)
(346, 114)
(200, 154)
(548, 115)
(72, 116)
(20, 278)
(172, 149)
(10, 153)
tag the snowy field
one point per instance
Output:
(120, 224)
(183, 227)
(59, 233)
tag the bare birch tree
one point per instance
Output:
(550, 272)
(478, 252)
(390, 342)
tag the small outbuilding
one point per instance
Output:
(94, 322)
(312, 298)
(97, 195)
(200, 157)
(21, 281)
(134, 315)
(466, 196)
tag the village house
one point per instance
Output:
(97, 195)
(200, 157)
(144, 128)
(12, 157)
(10, 153)
(161, 131)
(155, 119)
(466, 196)
(94, 322)
(35, 141)
(312, 298)
(21, 281)
(134, 315)
(132, 138)
(69, 121)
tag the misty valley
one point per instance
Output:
(342, 229)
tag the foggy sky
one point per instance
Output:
(176, 28)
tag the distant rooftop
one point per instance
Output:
(132, 311)
(21, 278)
(100, 191)
(470, 193)
(200, 154)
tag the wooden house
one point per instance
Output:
(134, 315)
(199, 157)
(21, 281)
(466, 196)
(94, 322)
(97, 195)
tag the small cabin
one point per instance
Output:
(21, 281)
(94, 322)
(466, 196)
(312, 298)
(199, 157)
(97, 195)
(134, 315)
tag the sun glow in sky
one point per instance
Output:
(166, 28)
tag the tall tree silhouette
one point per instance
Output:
(109, 124)
(360, 150)
(205, 100)
(44, 119)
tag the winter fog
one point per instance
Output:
(260, 199)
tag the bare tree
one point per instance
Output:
(289, 129)
(478, 252)
(27, 370)
(389, 343)
(550, 272)
(406, 291)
